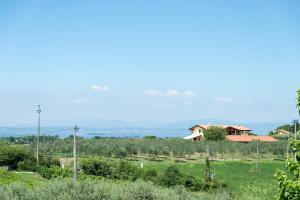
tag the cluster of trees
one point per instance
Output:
(154, 148)
(122, 170)
(287, 127)
(20, 157)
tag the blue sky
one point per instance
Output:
(149, 60)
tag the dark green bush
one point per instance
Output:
(121, 170)
(11, 155)
(125, 171)
(97, 167)
(172, 176)
(150, 175)
(54, 172)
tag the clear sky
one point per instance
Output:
(149, 60)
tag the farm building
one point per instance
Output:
(236, 133)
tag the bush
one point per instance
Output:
(97, 167)
(215, 133)
(126, 171)
(54, 172)
(27, 165)
(193, 183)
(171, 177)
(111, 169)
(150, 175)
(11, 155)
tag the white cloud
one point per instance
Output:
(99, 88)
(81, 101)
(227, 100)
(169, 93)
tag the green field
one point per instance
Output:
(242, 178)
(28, 179)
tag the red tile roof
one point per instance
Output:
(250, 138)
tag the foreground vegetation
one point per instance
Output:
(233, 175)
(98, 190)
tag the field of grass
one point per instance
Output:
(242, 178)
(28, 179)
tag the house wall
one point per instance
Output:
(198, 130)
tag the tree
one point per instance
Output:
(171, 177)
(286, 127)
(215, 133)
(289, 185)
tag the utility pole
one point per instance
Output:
(76, 128)
(257, 152)
(295, 122)
(39, 132)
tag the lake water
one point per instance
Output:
(91, 132)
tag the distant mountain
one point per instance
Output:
(119, 128)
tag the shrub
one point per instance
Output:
(171, 177)
(54, 172)
(126, 171)
(150, 175)
(193, 183)
(11, 155)
(27, 165)
(97, 167)
(111, 169)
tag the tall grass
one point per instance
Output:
(100, 190)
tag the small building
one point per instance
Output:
(282, 132)
(198, 130)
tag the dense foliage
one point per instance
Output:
(215, 133)
(102, 190)
(12, 155)
(122, 170)
(161, 148)
(289, 184)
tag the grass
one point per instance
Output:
(241, 177)
(11, 177)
